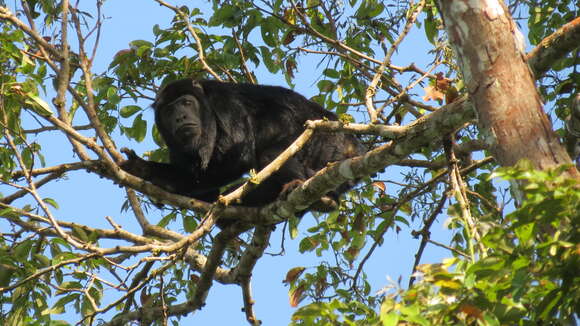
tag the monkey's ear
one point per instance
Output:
(197, 88)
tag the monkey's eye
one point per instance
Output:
(186, 102)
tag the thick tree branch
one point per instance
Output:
(213, 261)
(388, 132)
(422, 132)
(554, 47)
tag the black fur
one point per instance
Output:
(216, 132)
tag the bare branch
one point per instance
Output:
(51, 128)
(249, 303)
(245, 69)
(425, 234)
(213, 260)
(23, 192)
(267, 171)
(64, 74)
(371, 89)
(57, 169)
(459, 189)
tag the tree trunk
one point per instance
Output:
(490, 49)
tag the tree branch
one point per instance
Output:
(554, 47)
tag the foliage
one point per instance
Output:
(506, 265)
(527, 272)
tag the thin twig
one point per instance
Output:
(200, 50)
(425, 234)
(247, 71)
(52, 128)
(48, 269)
(459, 188)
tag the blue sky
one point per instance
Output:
(87, 199)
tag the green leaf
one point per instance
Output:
(67, 299)
(189, 223)
(22, 250)
(331, 73)
(157, 30)
(308, 244)
(549, 302)
(268, 60)
(490, 319)
(431, 30)
(325, 86)
(51, 202)
(141, 47)
(491, 263)
(129, 110)
(42, 260)
(269, 30)
(358, 240)
(413, 314)
(80, 233)
(227, 16)
(369, 9)
(293, 227)
(166, 219)
(390, 319)
(138, 130)
(55, 310)
(157, 138)
(525, 232)
(38, 105)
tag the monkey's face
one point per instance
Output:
(180, 122)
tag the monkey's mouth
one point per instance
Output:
(187, 134)
(187, 130)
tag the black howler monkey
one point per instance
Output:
(216, 132)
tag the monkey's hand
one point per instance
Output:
(135, 165)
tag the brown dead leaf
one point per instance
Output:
(296, 295)
(293, 274)
(290, 67)
(381, 185)
(471, 310)
(432, 93)
(442, 90)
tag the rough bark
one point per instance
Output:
(501, 86)
(554, 47)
